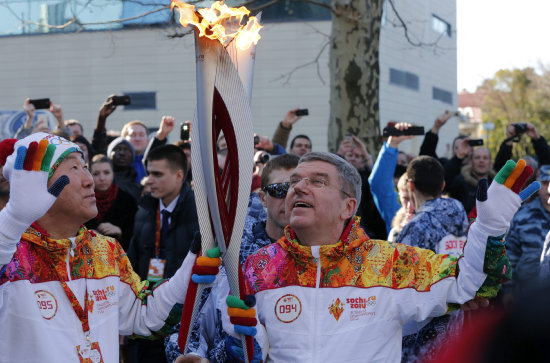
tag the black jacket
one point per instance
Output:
(542, 150)
(121, 214)
(183, 225)
(371, 221)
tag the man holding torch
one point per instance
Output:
(325, 289)
(67, 293)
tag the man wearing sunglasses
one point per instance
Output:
(325, 292)
(210, 340)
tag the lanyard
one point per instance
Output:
(157, 235)
(81, 313)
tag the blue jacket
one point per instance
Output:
(381, 184)
(278, 149)
(525, 240)
(434, 220)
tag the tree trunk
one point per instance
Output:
(355, 73)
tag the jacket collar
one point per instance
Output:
(39, 236)
(352, 237)
(148, 202)
(466, 172)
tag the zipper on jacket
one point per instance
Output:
(315, 252)
(70, 253)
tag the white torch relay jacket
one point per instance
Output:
(347, 302)
(38, 322)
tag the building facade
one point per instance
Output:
(78, 70)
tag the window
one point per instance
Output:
(404, 79)
(289, 10)
(441, 26)
(442, 95)
(142, 101)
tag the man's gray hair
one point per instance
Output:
(349, 176)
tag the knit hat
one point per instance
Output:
(119, 140)
(544, 173)
(63, 147)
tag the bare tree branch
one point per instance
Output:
(129, 18)
(406, 30)
(288, 75)
(180, 35)
(266, 5)
(74, 19)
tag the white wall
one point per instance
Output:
(435, 66)
(80, 70)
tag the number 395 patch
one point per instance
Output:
(47, 304)
(288, 308)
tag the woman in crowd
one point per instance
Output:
(116, 208)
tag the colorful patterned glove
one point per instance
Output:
(497, 205)
(242, 315)
(30, 197)
(496, 208)
(206, 267)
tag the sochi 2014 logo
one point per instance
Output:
(336, 308)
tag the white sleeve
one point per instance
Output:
(11, 231)
(420, 305)
(142, 312)
(494, 216)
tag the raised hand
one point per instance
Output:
(107, 107)
(167, 124)
(441, 120)
(497, 204)
(393, 141)
(30, 197)
(291, 118)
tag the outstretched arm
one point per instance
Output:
(484, 265)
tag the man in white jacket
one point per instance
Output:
(326, 292)
(66, 293)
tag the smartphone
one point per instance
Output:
(475, 142)
(302, 112)
(122, 100)
(392, 131)
(256, 140)
(41, 103)
(185, 131)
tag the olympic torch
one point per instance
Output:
(224, 49)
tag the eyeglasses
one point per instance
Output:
(316, 182)
(277, 190)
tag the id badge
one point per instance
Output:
(89, 354)
(156, 269)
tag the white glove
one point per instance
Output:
(497, 206)
(30, 197)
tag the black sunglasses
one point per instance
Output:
(277, 190)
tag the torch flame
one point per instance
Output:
(221, 22)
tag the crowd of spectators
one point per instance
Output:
(144, 194)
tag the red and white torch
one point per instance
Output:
(225, 51)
